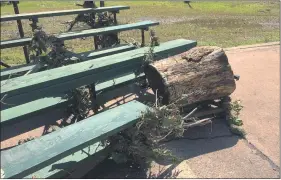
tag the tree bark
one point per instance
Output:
(202, 73)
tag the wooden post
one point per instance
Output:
(101, 3)
(142, 38)
(94, 98)
(115, 18)
(95, 42)
(16, 10)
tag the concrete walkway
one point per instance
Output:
(259, 90)
(219, 154)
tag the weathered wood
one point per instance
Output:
(84, 33)
(142, 38)
(72, 163)
(11, 115)
(14, 43)
(20, 70)
(101, 3)
(200, 122)
(5, 65)
(16, 10)
(19, 161)
(19, 113)
(202, 73)
(55, 81)
(88, 164)
(61, 13)
(213, 111)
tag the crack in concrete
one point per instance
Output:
(249, 144)
(263, 156)
(200, 138)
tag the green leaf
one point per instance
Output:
(238, 122)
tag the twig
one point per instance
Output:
(3, 98)
(198, 123)
(164, 137)
(98, 147)
(189, 114)
(9, 78)
(135, 43)
(156, 99)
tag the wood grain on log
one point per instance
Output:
(202, 73)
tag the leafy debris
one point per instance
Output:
(141, 143)
(233, 110)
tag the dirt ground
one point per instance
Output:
(213, 151)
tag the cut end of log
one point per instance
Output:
(202, 73)
(157, 83)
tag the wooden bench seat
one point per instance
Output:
(84, 33)
(27, 101)
(60, 80)
(15, 114)
(31, 104)
(22, 69)
(48, 150)
(61, 13)
(78, 163)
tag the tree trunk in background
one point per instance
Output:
(202, 73)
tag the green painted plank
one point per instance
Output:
(14, 43)
(15, 71)
(72, 76)
(84, 33)
(121, 80)
(34, 155)
(30, 108)
(15, 114)
(106, 51)
(21, 69)
(61, 13)
(60, 168)
(53, 82)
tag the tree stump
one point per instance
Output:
(202, 73)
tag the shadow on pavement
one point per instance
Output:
(196, 141)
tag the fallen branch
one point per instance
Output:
(36, 68)
(5, 65)
(198, 123)
(189, 114)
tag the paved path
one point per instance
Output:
(222, 155)
(259, 89)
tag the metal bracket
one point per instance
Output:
(236, 77)
(146, 28)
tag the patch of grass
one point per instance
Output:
(39, 6)
(233, 110)
(224, 24)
